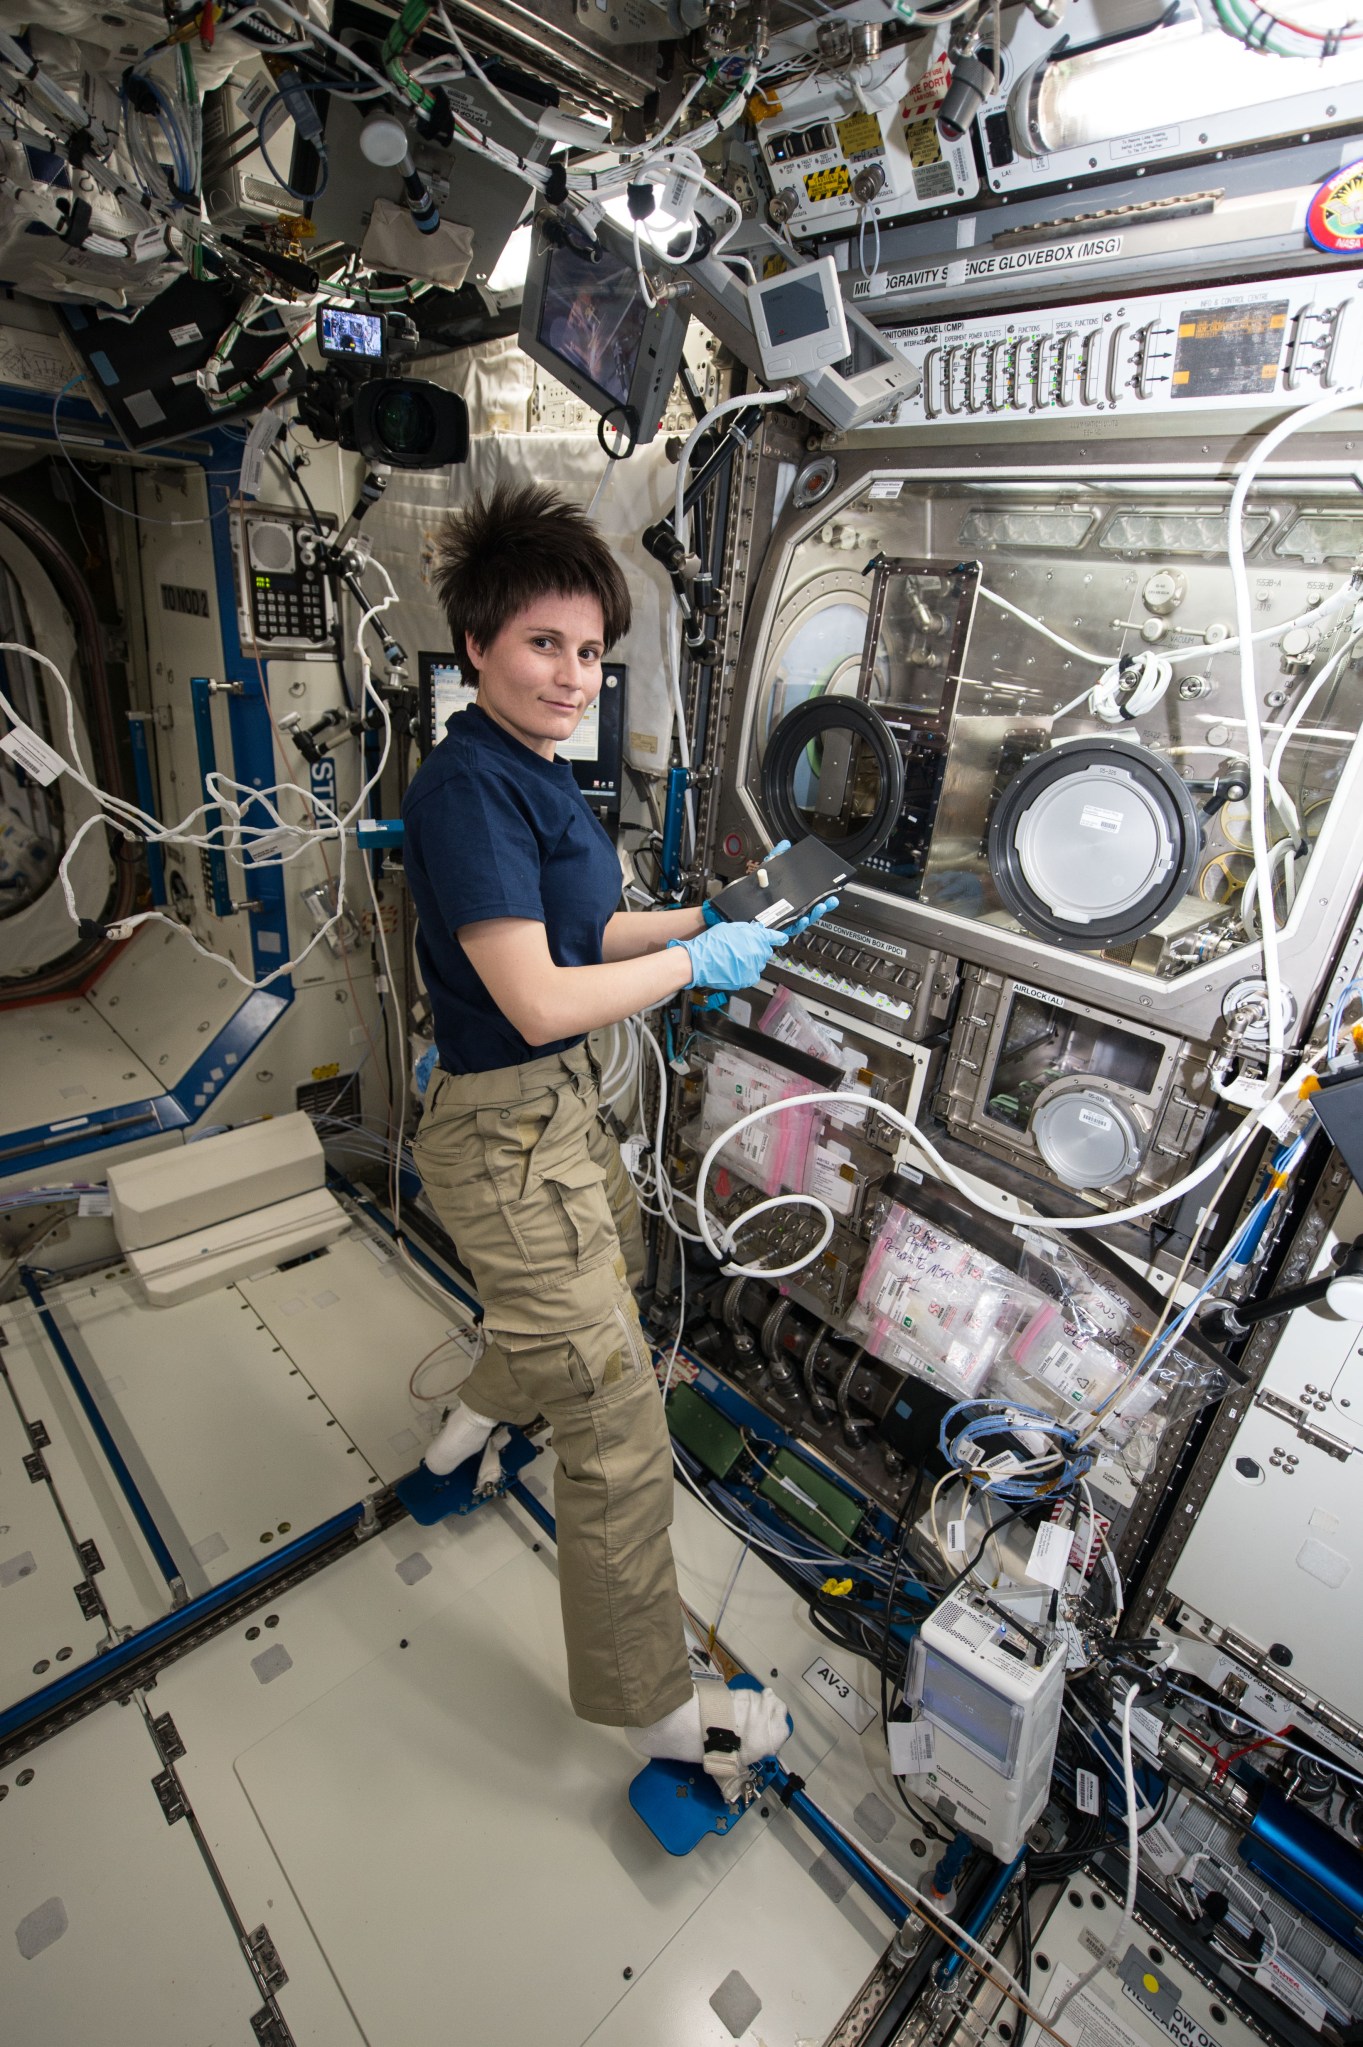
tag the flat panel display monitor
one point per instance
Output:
(584, 320)
(596, 749)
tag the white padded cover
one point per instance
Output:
(188, 1188)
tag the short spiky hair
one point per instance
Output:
(498, 554)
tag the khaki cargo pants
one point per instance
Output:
(535, 1195)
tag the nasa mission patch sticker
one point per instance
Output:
(1334, 219)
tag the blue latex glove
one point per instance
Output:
(730, 956)
(811, 916)
(712, 916)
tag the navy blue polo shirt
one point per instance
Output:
(494, 830)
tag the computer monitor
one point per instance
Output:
(799, 321)
(583, 318)
(596, 749)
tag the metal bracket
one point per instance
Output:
(92, 1563)
(169, 1797)
(88, 1600)
(270, 2029)
(167, 1738)
(36, 1469)
(38, 1436)
(265, 1958)
(1290, 1411)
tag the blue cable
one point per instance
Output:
(168, 123)
(989, 1417)
(281, 98)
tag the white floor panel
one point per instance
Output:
(356, 1328)
(131, 1586)
(113, 1931)
(231, 1450)
(462, 1845)
(224, 1699)
(166, 1001)
(60, 1061)
(42, 1629)
(767, 1936)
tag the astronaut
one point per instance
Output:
(524, 951)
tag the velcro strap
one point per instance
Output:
(718, 1719)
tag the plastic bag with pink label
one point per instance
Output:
(770, 1155)
(935, 1305)
(1082, 1354)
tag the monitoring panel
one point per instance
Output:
(1217, 348)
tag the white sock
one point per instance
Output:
(463, 1435)
(761, 1722)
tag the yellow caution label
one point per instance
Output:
(327, 1072)
(829, 184)
(1182, 376)
(923, 143)
(859, 134)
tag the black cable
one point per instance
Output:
(628, 425)
(1014, 1514)
(1024, 1968)
(900, 1537)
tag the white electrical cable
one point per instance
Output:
(1233, 1143)
(1278, 796)
(781, 395)
(471, 64)
(1203, 652)
(664, 1186)
(994, 1969)
(314, 34)
(273, 844)
(1323, 408)
(1081, 653)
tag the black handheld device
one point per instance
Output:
(784, 885)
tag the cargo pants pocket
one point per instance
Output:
(550, 1191)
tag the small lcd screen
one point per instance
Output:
(982, 1717)
(449, 693)
(794, 310)
(585, 743)
(343, 332)
(593, 317)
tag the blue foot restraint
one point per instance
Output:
(680, 1803)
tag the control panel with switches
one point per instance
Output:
(284, 598)
(1289, 339)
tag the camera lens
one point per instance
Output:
(405, 421)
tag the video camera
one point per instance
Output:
(402, 422)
